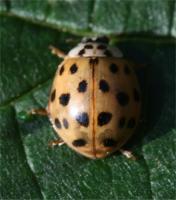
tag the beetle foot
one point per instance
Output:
(40, 111)
(58, 142)
(128, 154)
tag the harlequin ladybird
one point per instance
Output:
(94, 105)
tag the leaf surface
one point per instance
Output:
(99, 16)
(29, 168)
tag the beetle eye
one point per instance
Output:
(89, 40)
(86, 40)
(102, 39)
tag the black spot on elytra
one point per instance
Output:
(61, 70)
(53, 95)
(113, 68)
(103, 85)
(57, 123)
(104, 118)
(82, 86)
(122, 98)
(131, 123)
(88, 46)
(83, 119)
(107, 53)
(136, 95)
(127, 69)
(122, 122)
(81, 52)
(65, 123)
(101, 46)
(109, 142)
(73, 69)
(93, 61)
(79, 143)
(64, 99)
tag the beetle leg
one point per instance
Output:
(40, 111)
(58, 142)
(57, 52)
(128, 154)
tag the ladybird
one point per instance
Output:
(94, 104)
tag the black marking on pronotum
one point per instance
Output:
(107, 53)
(53, 95)
(101, 46)
(127, 69)
(57, 123)
(136, 95)
(113, 68)
(61, 70)
(93, 61)
(64, 99)
(122, 98)
(81, 52)
(65, 123)
(83, 119)
(103, 86)
(79, 142)
(82, 86)
(73, 69)
(104, 118)
(88, 46)
(122, 122)
(109, 142)
(131, 123)
(88, 40)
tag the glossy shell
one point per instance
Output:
(94, 104)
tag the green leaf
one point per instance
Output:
(161, 168)
(173, 30)
(99, 16)
(60, 14)
(17, 179)
(23, 45)
(2, 6)
(30, 169)
(133, 16)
